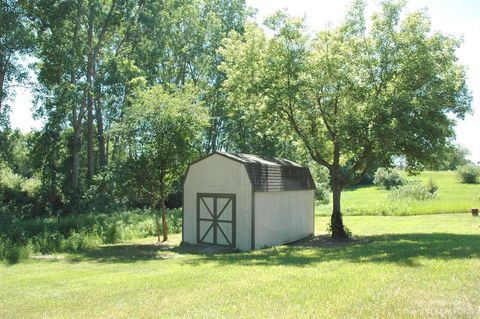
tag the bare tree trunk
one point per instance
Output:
(213, 136)
(164, 221)
(338, 229)
(2, 82)
(102, 156)
(90, 155)
(157, 221)
(76, 154)
(77, 115)
(90, 71)
(77, 143)
(107, 148)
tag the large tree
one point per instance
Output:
(355, 97)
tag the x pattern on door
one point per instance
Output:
(216, 219)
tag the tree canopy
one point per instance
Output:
(162, 132)
(355, 97)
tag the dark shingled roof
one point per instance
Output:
(273, 174)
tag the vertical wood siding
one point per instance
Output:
(217, 174)
(282, 217)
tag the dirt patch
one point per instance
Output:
(49, 257)
(203, 249)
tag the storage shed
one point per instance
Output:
(247, 201)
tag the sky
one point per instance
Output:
(452, 17)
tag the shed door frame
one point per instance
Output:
(216, 212)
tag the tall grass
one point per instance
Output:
(19, 238)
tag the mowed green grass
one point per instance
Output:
(452, 197)
(412, 266)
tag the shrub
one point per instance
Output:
(388, 178)
(81, 241)
(114, 232)
(13, 252)
(47, 242)
(468, 173)
(432, 186)
(17, 194)
(414, 190)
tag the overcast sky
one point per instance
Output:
(454, 17)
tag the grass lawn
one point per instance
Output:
(453, 197)
(415, 266)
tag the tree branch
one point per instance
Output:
(315, 156)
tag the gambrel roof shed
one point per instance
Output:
(247, 201)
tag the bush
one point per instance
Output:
(17, 194)
(13, 252)
(388, 178)
(414, 190)
(432, 186)
(81, 241)
(468, 173)
(47, 242)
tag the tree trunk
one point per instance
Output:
(76, 159)
(90, 71)
(157, 222)
(164, 221)
(102, 158)
(2, 80)
(76, 147)
(338, 229)
(213, 142)
(77, 115)
(336, 222)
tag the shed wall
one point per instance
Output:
(218, 174)
(283, 217)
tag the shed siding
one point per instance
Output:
(218, 174)
(283, 217)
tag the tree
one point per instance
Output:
(174, 42)
(74, 38)
(162, 134)
(450, 158)
(354, 98)
(16, 40)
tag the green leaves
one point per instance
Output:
(367, 95)
(162, 133)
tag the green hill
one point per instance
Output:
(452, 197)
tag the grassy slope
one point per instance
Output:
(453, 197)
(428, 266)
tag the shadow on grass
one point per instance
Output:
(124, 253)
(402, 249)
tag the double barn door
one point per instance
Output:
(216, 219)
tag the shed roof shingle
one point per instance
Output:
(273, 174)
